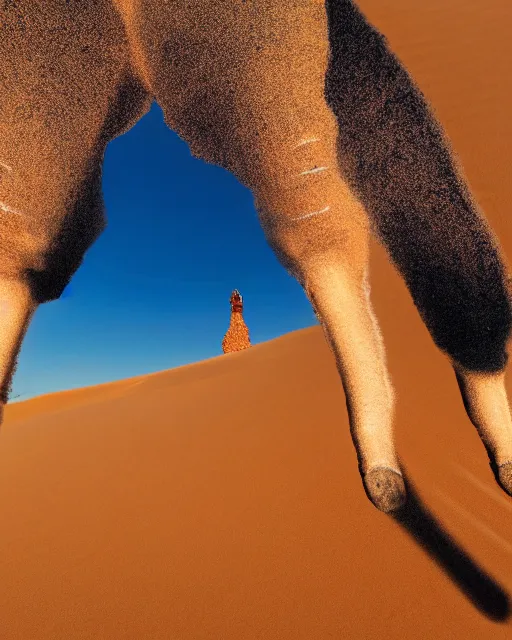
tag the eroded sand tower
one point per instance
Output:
(237, 336)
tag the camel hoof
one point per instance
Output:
(505, 476)
(385, 488)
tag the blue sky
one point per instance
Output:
(153, 292)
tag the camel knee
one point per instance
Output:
(309, 248)
(45, 265)
(310, 216)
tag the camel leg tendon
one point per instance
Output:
(398, 161)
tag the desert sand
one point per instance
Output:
(222, 500)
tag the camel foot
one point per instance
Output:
(505, 477)
(385, 488)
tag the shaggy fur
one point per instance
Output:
(391, 150)
(397, 159)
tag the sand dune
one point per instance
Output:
(222, 500)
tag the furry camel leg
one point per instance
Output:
(486, 403)
(320, 233)
(398, 159)
(16, 310)
(342, 303)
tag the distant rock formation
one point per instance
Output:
(237, 336)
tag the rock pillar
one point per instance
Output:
(237, 336)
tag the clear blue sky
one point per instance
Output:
(153, 292)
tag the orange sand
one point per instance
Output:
(222, 500)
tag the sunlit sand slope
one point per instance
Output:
(222, 500)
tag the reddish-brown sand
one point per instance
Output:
(222, 500)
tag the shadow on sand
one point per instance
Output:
(485, 593)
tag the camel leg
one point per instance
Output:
(16, 310)
(320, 234)
(397, 158)
(486, 403)
(57, 114)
